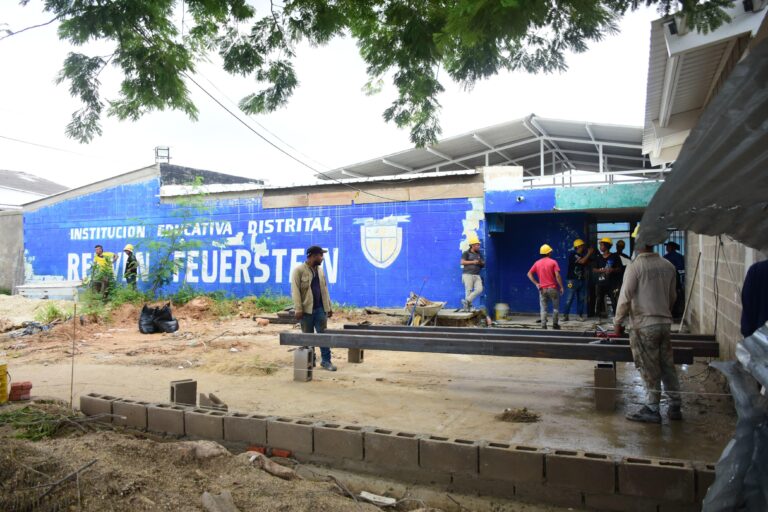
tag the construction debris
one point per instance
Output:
(381, 501)
(263, 462)
(519, 416)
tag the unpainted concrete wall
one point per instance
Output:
(715, 304)
(11, 250)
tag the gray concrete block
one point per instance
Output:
(665, 480)
(586, 472)
(512, 463)
(538, 493)
(451, 456)
(390, 449)
(705, 476)
(135, 413)
(338, 441)
(166, 418)
(290, 434)
(355, 355)
(481, 486)
(619, 503)
(93, 404)
(302, 364)
(204, 424)
(605, 384)
(247, 428)
(184, 392)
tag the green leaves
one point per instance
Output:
(408, 40)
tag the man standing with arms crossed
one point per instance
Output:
(577, 278)
(647, 297)
(548, 272)
(472, 262)
(311, 302)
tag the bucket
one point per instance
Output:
(3, 383)
(501, 310)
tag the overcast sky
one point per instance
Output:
(329, 119)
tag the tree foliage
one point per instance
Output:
(410, 42)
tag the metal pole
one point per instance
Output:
(688, 300)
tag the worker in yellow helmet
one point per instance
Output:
(578, 260)
(472, 263)
(131, 271)
(608, 269)
(101, 270)
(549, 281)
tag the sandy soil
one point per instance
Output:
(451, 395)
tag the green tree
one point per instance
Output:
(409, 41)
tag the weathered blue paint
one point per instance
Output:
(253, 253)
(626, 195)
(520, 201)
(511, 254)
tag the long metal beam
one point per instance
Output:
(700, 348)
(584, 352)
(503, 330)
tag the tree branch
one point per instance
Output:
(11, 33)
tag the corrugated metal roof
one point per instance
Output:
(26, 182)
(720, 183)
(516, 142)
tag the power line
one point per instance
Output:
(43, 146)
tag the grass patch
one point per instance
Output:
(127, 295)
(269, 302)
(224, 308)
(35, 424)
(343, 308)
(5, 291)
(50, 312)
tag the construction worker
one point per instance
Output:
(311, 302)
(577, 278)
(647, 296)
(607, 267)
(131, 271)
(754, 299)
(548, 272)
(472, 263)
(101, 269)
(678, 260)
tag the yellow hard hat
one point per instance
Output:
(636, 231)
(606, 240)
(128, 247)
(545, 249)
(472, 240)
(578, 242)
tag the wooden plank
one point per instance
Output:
(584, 352)
(332, 198)
(700, 348)
(445, 191)
(284, 200)
(537, 332)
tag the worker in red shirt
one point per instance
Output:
(548, 273)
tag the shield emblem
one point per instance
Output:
(381, 240)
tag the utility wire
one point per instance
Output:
(42, 146)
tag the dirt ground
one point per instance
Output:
(450, 395)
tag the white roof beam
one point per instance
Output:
(480, 153)
(397, 166)
(492, 148)
(445, 157)
(591, 143)
(671, 78)
(352, 174)
(531, 121)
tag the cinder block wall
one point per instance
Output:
(11, 267)
(717, 301)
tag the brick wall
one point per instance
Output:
(715, 304)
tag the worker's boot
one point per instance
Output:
(556, 327)
(674, 413)
(565, 317)
(645, 415)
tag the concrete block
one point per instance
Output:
(587, 472)
(664, 480)
(538, 493)
(290, 434)
(619, 503)
(204, 424)
(355, 355)
(302, 364)
(481, 486)
(392, 449)
(451, 456)
(247, 428)
(184, 392)
(135, 413)
(605, 382)
(410, 476)
(338, 441)
(166, 418)
(96, 403)
(500, 461)
(705, 476)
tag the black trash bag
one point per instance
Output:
(164, 313)
(167, 325)
(147, 320)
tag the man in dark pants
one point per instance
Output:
(754, 299)
(311, 301)
(131, 271)
(607, 267)
(578, 260)
(678, 260)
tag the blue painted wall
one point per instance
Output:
(511, 254)
(248, 250)
(520, 201)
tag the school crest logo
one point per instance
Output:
(381, 239)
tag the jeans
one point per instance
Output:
(577, 288)
(603, 290)
(317, 322)
(549, 295)
(473, 287)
